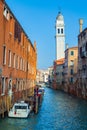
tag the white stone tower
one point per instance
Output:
(60, 37)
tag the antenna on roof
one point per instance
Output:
(59, 8)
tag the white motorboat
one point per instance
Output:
(20, 110)
(41, 89)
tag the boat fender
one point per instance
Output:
(15, 113)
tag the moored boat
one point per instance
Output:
(41, 90)
(20, 110)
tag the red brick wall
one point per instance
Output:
(20, 48)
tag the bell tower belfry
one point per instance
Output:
(60, 37)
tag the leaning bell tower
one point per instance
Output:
(60, 36)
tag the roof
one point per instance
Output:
(75, 47)
(19, 24)
(60, 61)
(60, 17)
(82, 32)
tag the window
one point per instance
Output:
(10, 85)
(25, 66)
(80, 50)
(6, 13)
(86, 47)
(17, 31)
(20, 63)
(18, 83)
(9, 63)
(71, 71)
(61, 30)
(71, 79)
(11, 25)
(84, 68)
(72, 52)
(4, 55)
(23, 85)
(3, 85)
(20, 107)
(16, 62)
(83, 48)
(13, 60)
(84, 35)
(28, 66)
(71, 63)
(23, 39)
(58, 30)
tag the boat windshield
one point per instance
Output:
(20, 107)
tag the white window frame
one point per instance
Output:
(18, 62)
(14, 60)
(21, 63)
(4, 55)
(72, 62)
(9, 64)
(25, 66)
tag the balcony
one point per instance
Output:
(57, 73)
(83, 54)
(84, 67)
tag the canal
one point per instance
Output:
(59, 111)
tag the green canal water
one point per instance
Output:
(59, 111)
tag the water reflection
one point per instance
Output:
(59, 111)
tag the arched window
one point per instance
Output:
(58, 30)
(61, 30)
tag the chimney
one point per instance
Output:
(80, 23)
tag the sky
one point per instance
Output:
(38, 18)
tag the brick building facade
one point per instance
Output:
(18, 59)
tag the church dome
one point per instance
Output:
(60, 17)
